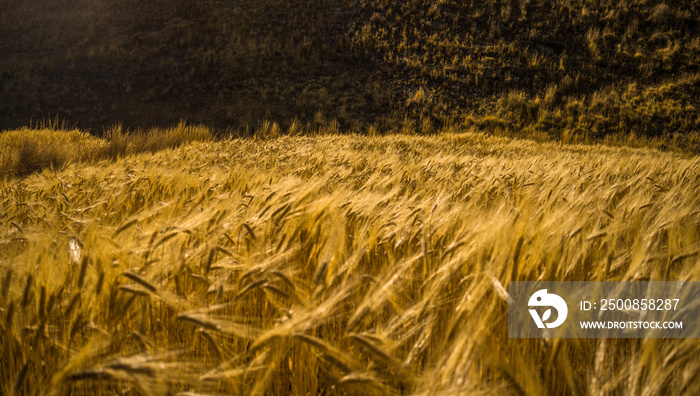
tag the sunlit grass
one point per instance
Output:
(27, 150)
(336, 264)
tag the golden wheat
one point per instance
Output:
(336, 264)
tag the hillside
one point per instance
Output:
(567, 70)
(347, 265)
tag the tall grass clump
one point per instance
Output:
(27, 150)
(122, 142)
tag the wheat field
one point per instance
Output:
(336, 265)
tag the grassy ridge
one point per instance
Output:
(561, 69)
(53, 146)
(336, 264)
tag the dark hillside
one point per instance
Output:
(556, 69)
(144, 63)
(553, 67)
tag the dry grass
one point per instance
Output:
(27, 150)
(336, 264)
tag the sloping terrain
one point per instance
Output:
(97, 63)
(566, 70)
(552, 67)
